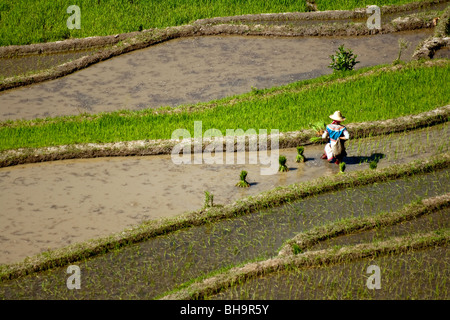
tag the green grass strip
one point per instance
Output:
(43, 21)
(348, 226)
(235, 276)
(268, 199)
(377, 96)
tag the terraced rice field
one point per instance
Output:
(140, 227)
(417, 275)
(98, 190)
(150, 268)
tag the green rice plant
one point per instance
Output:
(257, 91)
(243, 182)
(296, 248)
(209, 200)
(373, 164)
(315, 139)
(23, 23)
(344, 60)
(342, 167)
(319, 127)
(45, 21)
(282, 160)
(300, 157)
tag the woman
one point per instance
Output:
(335, 132)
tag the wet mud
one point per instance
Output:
(192, 70)
(53, 204)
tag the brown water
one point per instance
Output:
(22, 65)
(53, 204)
(192, 70)
(443, 53)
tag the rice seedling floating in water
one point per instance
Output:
(282, 160)
(373, 164)
(243, 182)
(209, 200)
(342, 167)
(300, 157)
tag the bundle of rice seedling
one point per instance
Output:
(243, 182)
(300, 157)
(319, 128)
(342, 167)
(282, 160)
(209, 200)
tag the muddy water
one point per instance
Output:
(195, 69)
(22, 65)
(53, 204)
(443, 53)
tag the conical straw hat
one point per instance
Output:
(337, 116)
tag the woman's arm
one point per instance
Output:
(346, 135)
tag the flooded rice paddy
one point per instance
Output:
(413, 275)
(434, 221)
(196, 69)
(51, 205)
(150, 268)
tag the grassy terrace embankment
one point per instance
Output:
(45, 21)
(368, 94)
